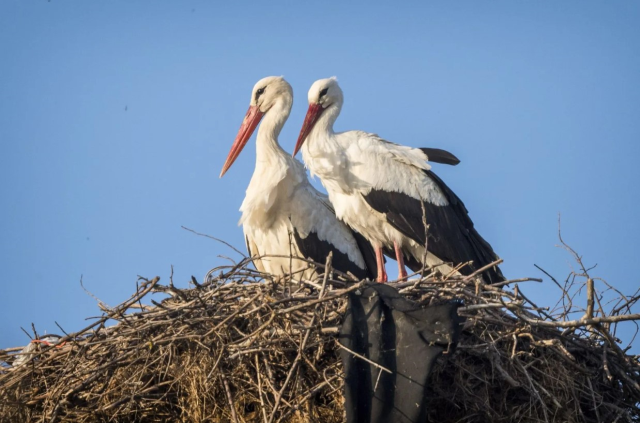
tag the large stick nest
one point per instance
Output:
(247, 347)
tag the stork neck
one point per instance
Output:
(322, 137)
(327, 119)
(267, 147)
(322, 152)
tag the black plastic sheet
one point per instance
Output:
(400, 337)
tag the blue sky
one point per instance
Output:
(116, 117)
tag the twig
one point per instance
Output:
(215, 239)
(365, 359)
(232, 407)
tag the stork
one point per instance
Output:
(387, 191)
(283, 216)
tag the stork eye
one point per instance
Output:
(323, 93)
(260, 92)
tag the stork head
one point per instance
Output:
(268, 92)
(325, 95)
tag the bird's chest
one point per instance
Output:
(330, 165)
(270, 239)
(337, 179)
(267, 203)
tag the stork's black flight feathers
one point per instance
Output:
(451, 235)
(437, 155)
(313, 248)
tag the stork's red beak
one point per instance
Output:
(313, 114)
(251, 120)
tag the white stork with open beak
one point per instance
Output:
(386, 191)
(282, 214)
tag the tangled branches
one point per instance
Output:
(246, 347)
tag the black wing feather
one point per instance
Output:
(438, 155)
(317, 250)
(368, 254)
(452, 237)
(435, 155)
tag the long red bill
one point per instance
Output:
(313, 114)
(251, 120)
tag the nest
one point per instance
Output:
(247, 347)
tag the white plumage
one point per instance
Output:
(282, 214)
(384, 190)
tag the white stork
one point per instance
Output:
(282, 214)
(386, 191)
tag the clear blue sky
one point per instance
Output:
(116, 117)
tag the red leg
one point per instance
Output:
(402, 272)
(382, 273)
